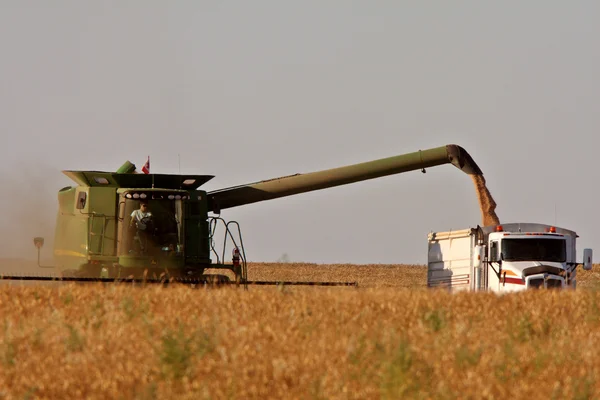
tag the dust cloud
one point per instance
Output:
(487, 205)
(29, 204)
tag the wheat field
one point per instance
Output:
(389, 338)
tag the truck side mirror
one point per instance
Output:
(493, 251)
(587, 259)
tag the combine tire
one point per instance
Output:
(216, 280)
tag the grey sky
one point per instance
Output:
(254, 90)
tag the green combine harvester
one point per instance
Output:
(104, 232)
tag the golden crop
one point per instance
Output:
(391, 338)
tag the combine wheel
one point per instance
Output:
(165, 281)
(216, 280)
(71, 273)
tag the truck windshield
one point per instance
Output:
(553, 250)
(152, 227)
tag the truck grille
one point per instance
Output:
(538, 283)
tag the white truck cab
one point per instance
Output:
(504, 258)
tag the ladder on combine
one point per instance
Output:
(238, 253)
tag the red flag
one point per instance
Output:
(146, 167)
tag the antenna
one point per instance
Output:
(554, 213)
(179, 162)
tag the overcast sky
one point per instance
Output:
(248, 91)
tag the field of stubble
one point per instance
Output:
(390, 338)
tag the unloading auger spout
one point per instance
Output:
(301, 183)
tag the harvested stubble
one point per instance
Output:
(120, 342)
(368, 275)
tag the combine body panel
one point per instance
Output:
(504, 258)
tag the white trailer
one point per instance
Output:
(504, 258)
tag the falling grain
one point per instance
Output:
(487, 204)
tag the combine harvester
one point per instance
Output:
(504, 258)
(95, 241)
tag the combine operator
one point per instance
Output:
(142, 218)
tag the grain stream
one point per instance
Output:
(487, 204)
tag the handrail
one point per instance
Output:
(213, 222)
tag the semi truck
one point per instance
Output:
(504, 258)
